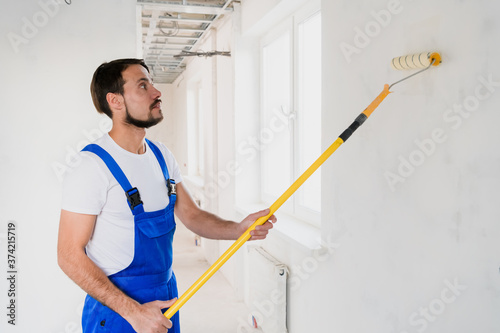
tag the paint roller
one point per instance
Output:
(421, 61)
(415, 61)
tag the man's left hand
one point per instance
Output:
(260, 231)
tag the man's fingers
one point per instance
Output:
(255, 216)
(261, 231)
(167, 304)
(150, 318)
(264, 227)
(165, 322)
(163, 305)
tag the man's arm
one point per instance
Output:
(211, 226)
(75, 231)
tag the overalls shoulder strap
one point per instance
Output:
(133, 196)
(161, 160)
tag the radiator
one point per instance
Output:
(267, 292)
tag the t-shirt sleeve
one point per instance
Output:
(85, 186)
(173, 168)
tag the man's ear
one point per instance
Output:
(115, 101)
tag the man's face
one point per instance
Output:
(142, 99)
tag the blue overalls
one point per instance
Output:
(149, 277)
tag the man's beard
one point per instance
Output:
(151, 121)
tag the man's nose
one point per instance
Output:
(156, 93)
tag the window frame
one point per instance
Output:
(290, 25)
(276, 33)
(195, 123)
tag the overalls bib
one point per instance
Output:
(149, 277)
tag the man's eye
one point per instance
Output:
(143, 85)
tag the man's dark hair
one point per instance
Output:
(108, 79)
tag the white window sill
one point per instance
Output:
(289, 228)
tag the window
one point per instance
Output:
(196, 147)
(309, 108)
(276, 154)
(291, 112)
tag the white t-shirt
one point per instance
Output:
(90, 188)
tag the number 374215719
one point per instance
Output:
(11, 245)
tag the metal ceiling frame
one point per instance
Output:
(172, 28)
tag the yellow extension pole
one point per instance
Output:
(277, 204)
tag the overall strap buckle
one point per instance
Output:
(133, 198)
(172, 188)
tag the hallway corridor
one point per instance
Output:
(214, 308)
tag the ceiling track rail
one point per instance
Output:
(173, 30)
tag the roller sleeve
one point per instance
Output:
(416, 61)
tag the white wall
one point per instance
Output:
(401, 246)
(47, 115)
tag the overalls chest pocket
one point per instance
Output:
(156, 226)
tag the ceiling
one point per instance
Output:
(172, 31)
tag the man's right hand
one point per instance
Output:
(148, 317)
